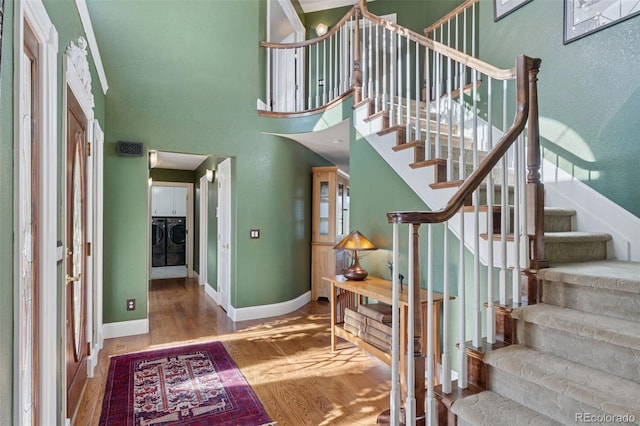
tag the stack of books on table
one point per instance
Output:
(372, 323)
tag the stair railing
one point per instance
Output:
(311, 75)
(459, 126)
(461, 21)
(478, 147)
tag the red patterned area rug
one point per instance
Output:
(189, 385)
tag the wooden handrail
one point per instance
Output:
(431, 28)
(314, 40)
(463, 58)
(523, 66)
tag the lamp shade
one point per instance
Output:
(355, 241)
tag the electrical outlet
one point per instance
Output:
(131, 304)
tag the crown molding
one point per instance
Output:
(93, 44)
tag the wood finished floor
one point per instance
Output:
(286, 360)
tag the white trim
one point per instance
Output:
(36, 15)
(189, 243)
(294, 19)
(212, 293)
(78, 80)
(97, 155)
(225, 225)
(204, 231)
(272, 310)
(78, 77)
(93, 44)
(125, 328)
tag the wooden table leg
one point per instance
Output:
(334, 319)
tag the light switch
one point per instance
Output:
(254, 234)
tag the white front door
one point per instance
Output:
(224, 232)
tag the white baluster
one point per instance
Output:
(399, 80)
(417, 94)
(491, 312)
(394, 396)
(410, 401)
(504, 206)
(377, 68)
(407, 92)
(445, 376)
(462, 334)
(431, 402)
(384, 70)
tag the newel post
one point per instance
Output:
(357, 71)
(535, 189)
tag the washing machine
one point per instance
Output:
(158, 241)
(176, 241)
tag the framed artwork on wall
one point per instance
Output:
(502, 8)
(583, 17)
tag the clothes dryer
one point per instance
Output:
(158, 242)
(176, 241)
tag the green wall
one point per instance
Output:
(199, 96)
(6, 216)
(589, 92)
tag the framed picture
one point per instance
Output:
(501, 8)
(583, 17)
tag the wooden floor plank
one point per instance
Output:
(287, 360)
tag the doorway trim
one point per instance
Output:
(189, 243)
(225, 225)
(78, 81)
(35, 15)
(203, 255)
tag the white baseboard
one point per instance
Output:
(125, 328)
(212, 293)
(265, 311)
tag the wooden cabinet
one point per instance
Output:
(330, 222)
(169, 201)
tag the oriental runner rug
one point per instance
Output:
(189, 385)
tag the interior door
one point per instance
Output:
(224, 232)
(76, 255)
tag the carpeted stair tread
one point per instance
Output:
(558, 211)
(607, 274)
(575, 236)
(489, 408)
(597, 327)
(561, 380)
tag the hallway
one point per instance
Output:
(286, 359)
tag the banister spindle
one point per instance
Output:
(417, 94)
(407, 91)
(394, 395)
(504, 205)
(462, 328)
(357, 72)
(445, 376)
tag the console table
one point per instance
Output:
(348, 294)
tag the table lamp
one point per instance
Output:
(355, 241)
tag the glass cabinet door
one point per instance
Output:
(342, 209)
(323, 209)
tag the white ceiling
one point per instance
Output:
(331, 143)
(316, 5)
(179, 161)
